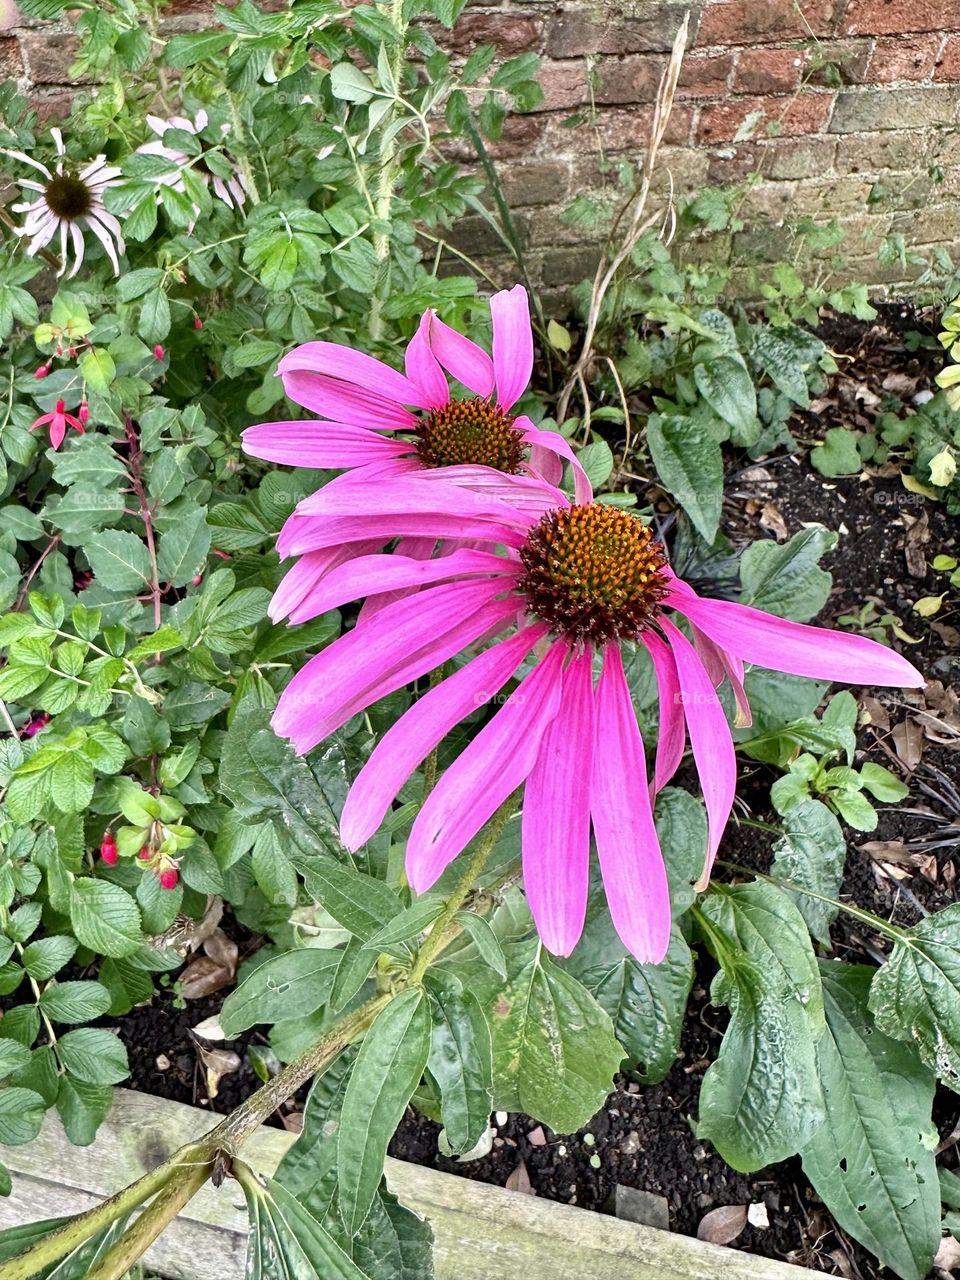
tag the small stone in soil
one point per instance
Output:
(639, 1206)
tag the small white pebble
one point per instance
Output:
(501, 1118)
(757, 1214)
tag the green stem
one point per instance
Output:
(243, 164)
(383, 199)
(440, 935)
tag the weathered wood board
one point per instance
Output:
(482, 1232)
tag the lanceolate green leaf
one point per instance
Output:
(872, 1160)
(760, 1101)
(916, 994)
(388, 1069)
(286, 1241)
(690, 465)
(460, 1062)
(811, 853)
(290, 985)
(727, 387)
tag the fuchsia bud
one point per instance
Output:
(145, 855)
(197, 322)
(83, 413)
(158, 351)
(72, 352)
(59, 349)
(198, 579)
(108, 848)
(33, 727)
(169, 878)
(42, 371)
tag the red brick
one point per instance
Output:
(511, 34)
(564, 85)
(631, 79)
(49, 55)
(616, 129)
(948, 66)
(11, 63)
(767, 71)
(896, 17)
(806, 113)
(895, 58)
(736, 22)
(649, 28)
(51, 108)
(704, 75)
(837, 62)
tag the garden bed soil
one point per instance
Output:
(644, 1137)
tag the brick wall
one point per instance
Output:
(856, 104)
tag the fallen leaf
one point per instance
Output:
(900, 384)
(519, 1180)
(917, 537)
(890, 851)
(209, 1029)
(223, 950)
(908, 742)
(723, 1225)
(771, 519)
(202, 977)
(874, 713)
(217, 1064)
(292, 1121)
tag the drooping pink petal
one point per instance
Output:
(634, 876)
(411, 738)
(354, 369)
(710, 739)
(401, 644)
(293, 596)
(528, 494)
(671, 733)
(512, 344)
(58, 429)
(461, 358)
(780, 645)
(555, 831)
(423, 368)
(313, 533)
(414, 493)
(365, 575)
(554, 442)
(721, 666)
(319, 444)
(415, 549)
(486, 772)
(342, 402)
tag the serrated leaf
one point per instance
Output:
(21, 1115)
(72, 1002)
(183, 549)
(93, 1056)
(119, 560)
(105, 918)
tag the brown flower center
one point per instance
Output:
(594, 573)
(68, 197)
(470, 432)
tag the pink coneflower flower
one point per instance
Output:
(228, 190)
(577, 584)
(67, 201)
(380, 424)
(59, 420)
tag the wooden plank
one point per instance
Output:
(482, 1232)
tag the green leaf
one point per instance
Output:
(82, 1108)
(356, 901)
(73, 1002)
(838, 455)
(780, 360)
(119, 560)
(872, 1161)
(389, 1066)
(597, 461)
(759, 1102)
(154, 322)
(408, 923)
(485, 940)
(105, 918)
(461, 1062)
(786, 578)
(71, 782)
(727, 387)
(21, 1115)
(93, 1056)
(349, 83)
(812, 853)
(98, 368)
(916, 994)
(290, 985)
(13, 1056)
(689, 463)
(286, 1242)
(183, 549)
(555, 1053)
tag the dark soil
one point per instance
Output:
(644, 1137)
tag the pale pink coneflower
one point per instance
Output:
(66, 202)
(228, 190)
(571, 585)
(378, 424)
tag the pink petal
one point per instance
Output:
(319, 444)
(301, 534)
(423, 368)
(58, 429)
(512, 344)
(486, 772)
(416, 549)
(721, 666)
(354, 369)
(634, 876)
(555, 837)
(342, 402)
(294, 594)
(528, 494)
(411, 738)
(780, 645)
(372, 574)
(401, 644)
(710, 739)
(461, 358)
(671, 733)
(415, 493)
(554, 442)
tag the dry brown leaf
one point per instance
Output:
(292, 1121)
(519, 1180)
(901, 384)
(723, 1225)
(908, 742)
(949, 635)
(894, 851)
(873, 712)
(202, 977)
(918, 535)
(218, 1063)
(223, 950)
(772, 520)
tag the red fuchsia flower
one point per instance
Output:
(33, 727)
(379, 424)
(83, 413)
(577, 583)
(59, 420)
(108, 848)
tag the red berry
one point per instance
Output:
(197, 322)
(83, 413)
(145, 855)
(158, 351)
(169, 878)
(42, 371)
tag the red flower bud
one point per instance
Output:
(83, 413)
(197, 322)
(108, 850)
(61, 407)
(198, 579)
(169, 878)
(145, 855)
(59, 349)
(31, 729)
(42, 371)
(158, 351)
(72, 352)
